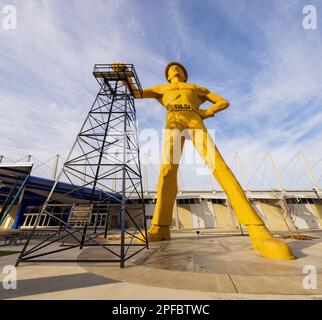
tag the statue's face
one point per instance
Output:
(176, 71)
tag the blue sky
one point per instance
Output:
(256, 54)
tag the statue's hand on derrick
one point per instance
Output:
(119, 66)
(122, 67)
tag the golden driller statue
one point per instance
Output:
(182, 101)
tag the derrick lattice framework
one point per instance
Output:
(99, 190)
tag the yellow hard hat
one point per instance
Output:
(172, 64)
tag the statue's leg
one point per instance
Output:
(262, 240)
(167, 186)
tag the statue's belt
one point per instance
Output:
(181, 107)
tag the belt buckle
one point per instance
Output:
(182, 107)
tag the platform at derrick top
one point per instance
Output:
(109, 74)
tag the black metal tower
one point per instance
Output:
(98, 195)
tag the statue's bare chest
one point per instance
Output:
(183, 93)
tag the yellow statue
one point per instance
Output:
(182, 101)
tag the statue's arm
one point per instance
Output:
(153, 92)
(219, 103)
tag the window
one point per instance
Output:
(219, 201)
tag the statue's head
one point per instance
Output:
(176, 70)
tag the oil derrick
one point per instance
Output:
(97, 199)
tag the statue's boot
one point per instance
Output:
(156, 233)
(267, 245)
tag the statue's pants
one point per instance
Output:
(179, 126)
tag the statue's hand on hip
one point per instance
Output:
(206, 113)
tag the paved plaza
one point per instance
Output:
(190, 266)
